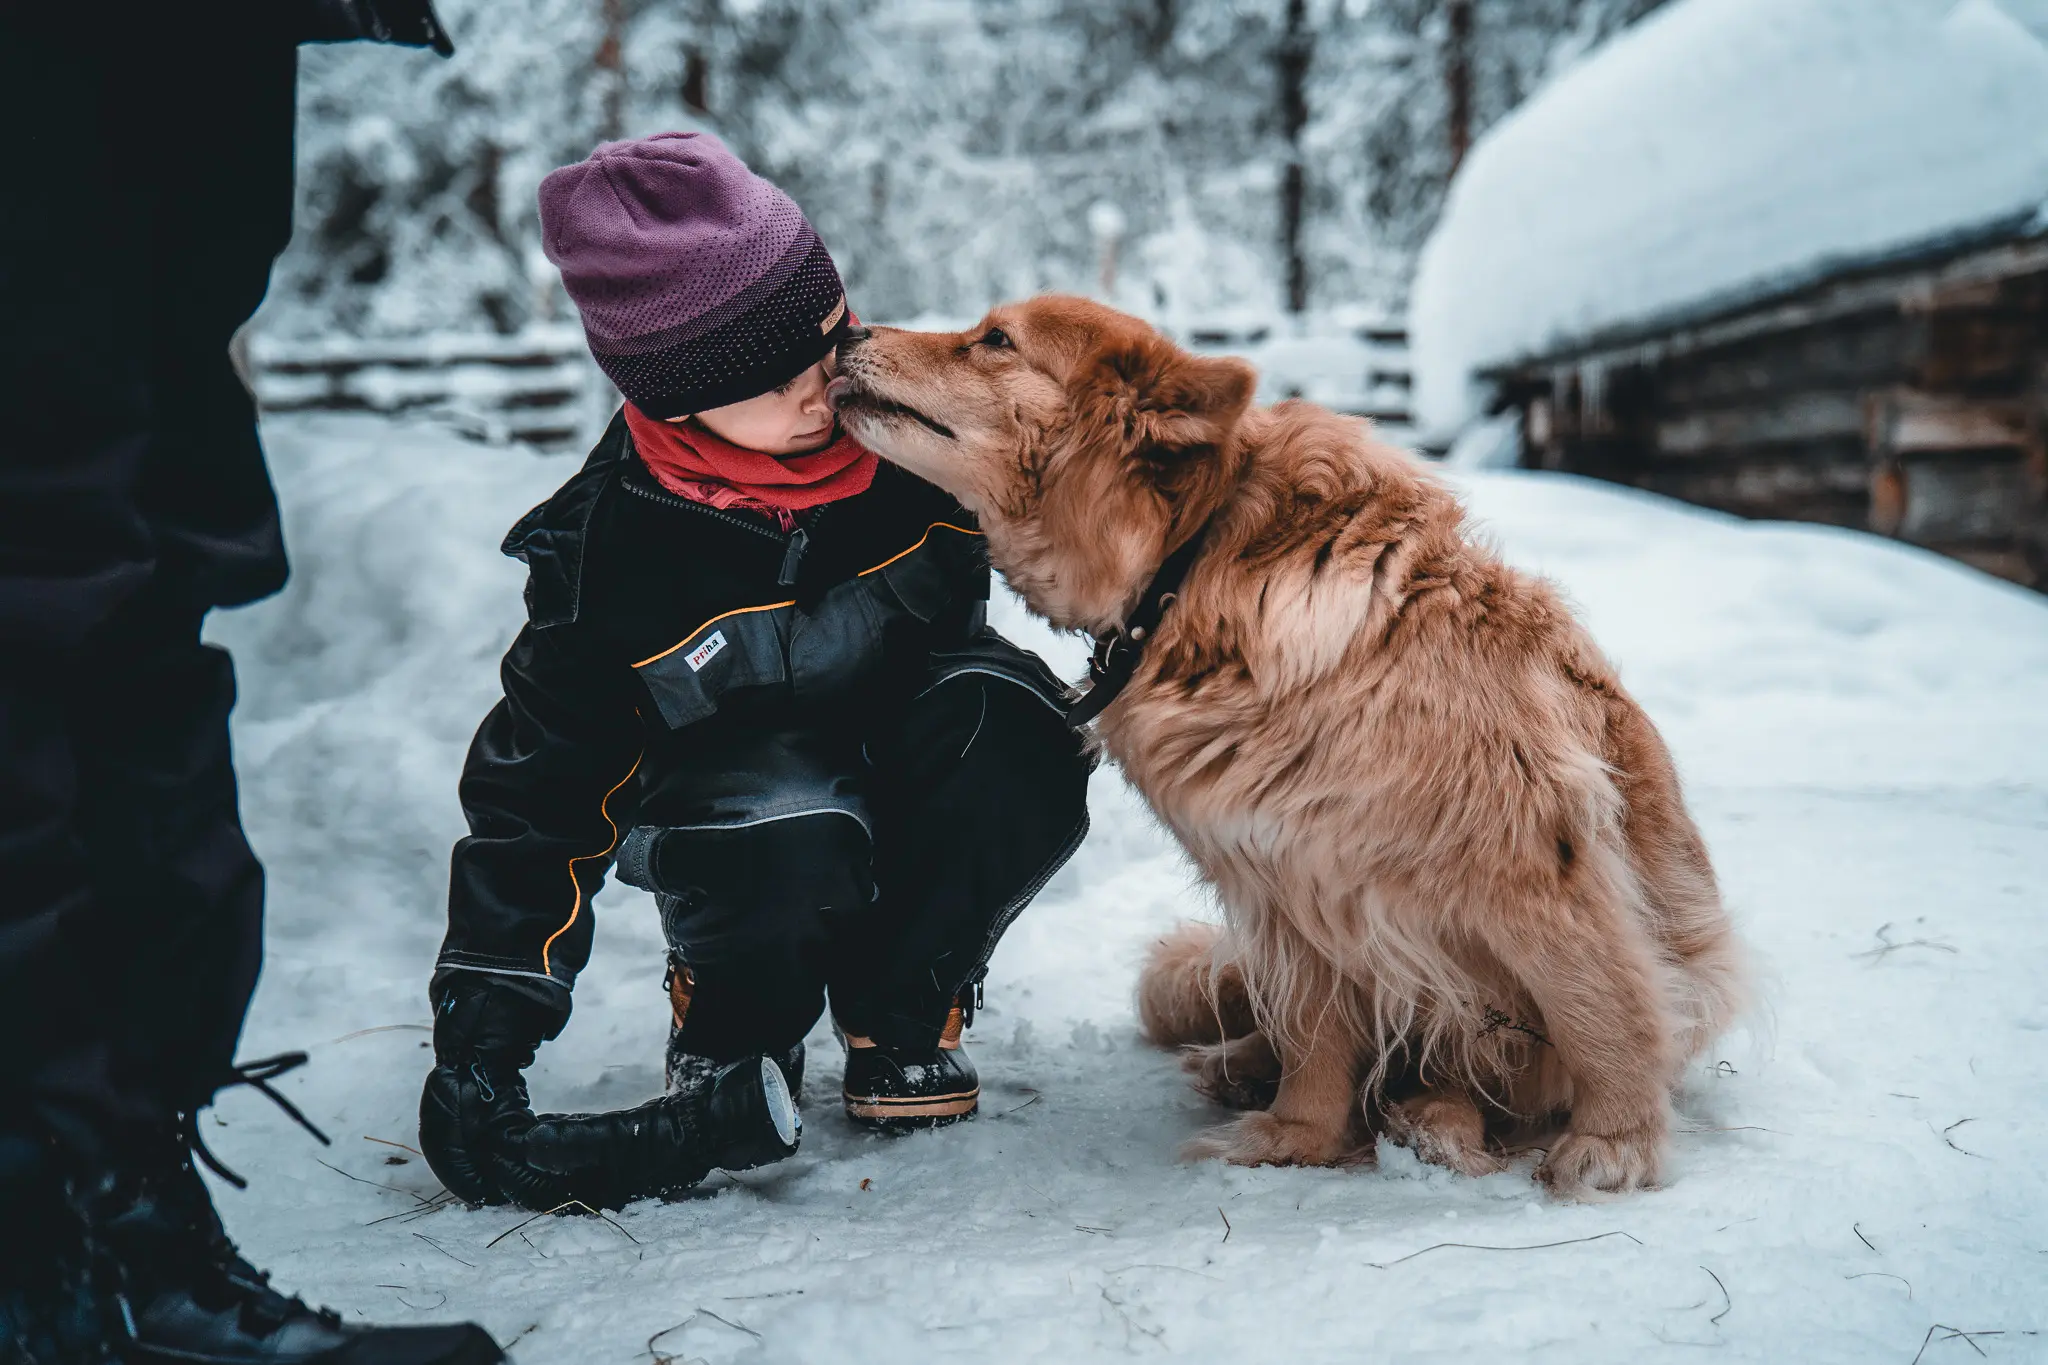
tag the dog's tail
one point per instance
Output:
(1192, 989)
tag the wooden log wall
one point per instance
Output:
(1911, 403)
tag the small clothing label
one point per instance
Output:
(702, 654)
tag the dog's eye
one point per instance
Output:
(996, 337)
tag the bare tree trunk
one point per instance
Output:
(611, 64)
(1458, 79)
(1296, 47)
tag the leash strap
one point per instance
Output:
(1115, 657)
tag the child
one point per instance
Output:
(755, 670)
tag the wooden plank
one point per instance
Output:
(1946, 500)
(1904, 420)
(1793, 419)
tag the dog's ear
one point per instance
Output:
(1184, 404)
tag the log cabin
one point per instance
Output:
(1905, 394)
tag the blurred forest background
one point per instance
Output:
(1189, 158)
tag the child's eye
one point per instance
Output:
(784, 388)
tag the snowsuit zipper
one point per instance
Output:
(795, 543)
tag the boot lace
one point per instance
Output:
(261, 1307)
(258, 1074)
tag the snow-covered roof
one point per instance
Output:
(1723, 150)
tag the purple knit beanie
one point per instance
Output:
(700, 284)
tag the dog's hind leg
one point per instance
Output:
(1238, 1073)
(1578, 948)
(1191, 989)
(1444, 1128)
(1314, 1114)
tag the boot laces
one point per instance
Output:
(259, 1305)
(257, 1074)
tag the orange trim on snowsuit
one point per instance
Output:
(576, 909)
(772, 606)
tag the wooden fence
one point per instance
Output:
(539, 386)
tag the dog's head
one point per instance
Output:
(1085, 441)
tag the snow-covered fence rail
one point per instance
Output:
(539, 386)
(536, 385)
(1351, 364)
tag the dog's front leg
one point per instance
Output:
(1584, 960)
(1310, 1121)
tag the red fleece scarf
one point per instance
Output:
(692, 463)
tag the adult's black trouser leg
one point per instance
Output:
(979, 793)
(132, 497)
(134, 925)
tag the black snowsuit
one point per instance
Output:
(809, 745)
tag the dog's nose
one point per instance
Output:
(854, 332)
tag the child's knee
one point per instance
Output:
(772, 890)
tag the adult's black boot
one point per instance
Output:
(48, 1311)
(175, 1289)
(745, 1116)
(895, 1089)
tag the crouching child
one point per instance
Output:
(756, 676)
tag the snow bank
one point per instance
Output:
(1723, 148)
(1861, 730)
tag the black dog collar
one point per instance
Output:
(1115, 657)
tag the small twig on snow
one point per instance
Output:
(381, 1028)
(1226, 1222)
(1155, 1265)
(1886, 947)
(567, 1204)
(1950, 1142)
(1857, 1228)
(402, 1289)
(364, 1180)
(444, 1250)
(1969, 1338)
(1471, 1246)
(1727, 1298)
(399, 1145)
(736, 1326)
(1035, 1098)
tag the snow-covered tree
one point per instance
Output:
(950, 151)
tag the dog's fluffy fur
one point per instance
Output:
(1459, 882)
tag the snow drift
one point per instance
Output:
(1723, 149)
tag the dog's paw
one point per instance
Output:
(1444, 1130)
(1262, 1140)
(1587, 1164)
(1240, 1074)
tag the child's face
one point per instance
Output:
(786, 421)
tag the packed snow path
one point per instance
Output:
(1864, 741)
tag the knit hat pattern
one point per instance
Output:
(699, 283)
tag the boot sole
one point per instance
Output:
(919, 1111)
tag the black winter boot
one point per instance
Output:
(893, 1089)
(689, 1072)
(744, 1117)
(175, 1290)
(47, 1306)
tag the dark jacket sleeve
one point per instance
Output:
(548, 788)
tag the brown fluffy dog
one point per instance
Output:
(1456, 872)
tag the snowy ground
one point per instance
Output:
(1862, 731)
